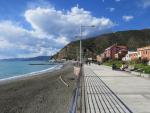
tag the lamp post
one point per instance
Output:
(80, 44)
(81, 26)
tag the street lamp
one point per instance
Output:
(81, 26)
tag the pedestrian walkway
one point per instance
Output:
(98, 97)
(107, 91)
(134, 91)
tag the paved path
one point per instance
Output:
(107, 91)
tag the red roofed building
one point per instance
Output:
(116, 51)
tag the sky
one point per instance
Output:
(31, 28)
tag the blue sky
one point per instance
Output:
(42, 27)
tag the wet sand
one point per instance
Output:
(43, 93)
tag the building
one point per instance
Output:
(144, 52)
(132, 55)
(116, 51)
(100, 58)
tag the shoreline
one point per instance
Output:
(36, 73)
(39, 94)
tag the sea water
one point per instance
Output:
(12, 69)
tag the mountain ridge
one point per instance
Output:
(38, 58)
(96, 45)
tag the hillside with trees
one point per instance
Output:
(96, 45)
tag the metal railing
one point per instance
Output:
(75, 96)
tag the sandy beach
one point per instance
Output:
(44, 93)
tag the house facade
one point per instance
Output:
(100, 58)
(132, 55)
(144, 52)
(116, 52)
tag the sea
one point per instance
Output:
(15, 69)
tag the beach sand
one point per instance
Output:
(44, 93)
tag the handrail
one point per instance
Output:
(74, 100)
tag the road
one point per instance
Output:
(108, 91)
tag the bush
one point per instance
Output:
(146, 68)
(137, 64)
(144, 61)
(116, 62)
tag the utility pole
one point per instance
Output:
(81, 26)
(80, 44)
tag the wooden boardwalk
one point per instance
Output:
(97, 97)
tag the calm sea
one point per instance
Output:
(10, 69)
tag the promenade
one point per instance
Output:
(108, 91)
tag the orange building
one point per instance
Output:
(144, 52)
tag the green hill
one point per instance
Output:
(96, 45)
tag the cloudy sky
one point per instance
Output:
(42, 27)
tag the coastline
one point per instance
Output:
(36, 73)
(43, 93)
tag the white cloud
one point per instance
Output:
(127, 18)
(145, 3)
(51, 30)
(62, 40)
(111, 9)
(16, 41)
(50, 20)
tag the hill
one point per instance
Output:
(96, 45)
